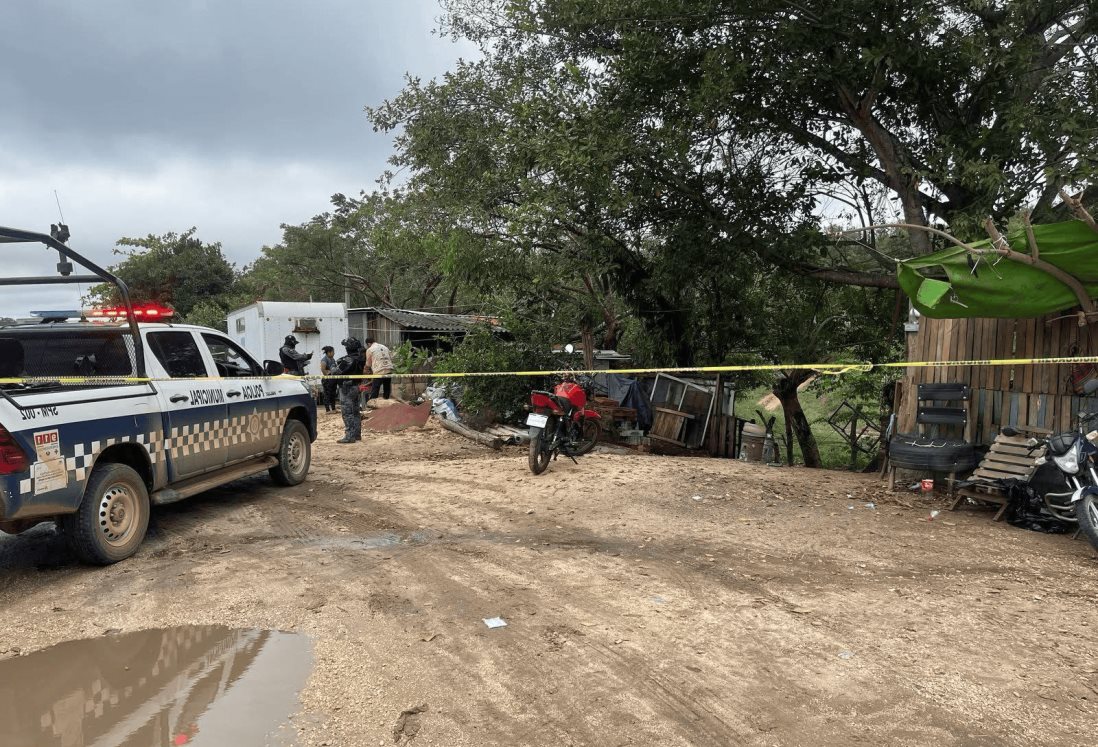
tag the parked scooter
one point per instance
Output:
(561, 423)
(1073, 454)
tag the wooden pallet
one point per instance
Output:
(669, 425)
(1008, 459)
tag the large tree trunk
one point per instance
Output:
(785, 389)
(587, 335)
(895, 162)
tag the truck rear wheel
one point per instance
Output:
(294, 455)
(113, 516)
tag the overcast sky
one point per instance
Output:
(230, 115)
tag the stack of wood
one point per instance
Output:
(612, 411)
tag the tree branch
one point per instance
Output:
(1080, 212)
(1000, 246)
(844, 276)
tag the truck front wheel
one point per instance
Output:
(294, 455)
(113, 516)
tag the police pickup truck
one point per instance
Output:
(105, 415)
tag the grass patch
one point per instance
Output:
(818, 406)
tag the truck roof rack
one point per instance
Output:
(59, 234)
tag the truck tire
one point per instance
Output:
(935, 455)
(294, 455)
(113, 516)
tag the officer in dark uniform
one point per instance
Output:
(351, 364)
(293, 361)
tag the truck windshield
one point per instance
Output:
(64, 350)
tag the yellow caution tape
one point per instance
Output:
(834, 369)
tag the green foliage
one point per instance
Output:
(960, 109)
(407, 359)
(207, 313)
(175, 269)
(527, 349)
(383, 248)
(865, 386)
(819, 403)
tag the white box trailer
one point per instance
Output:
(261, 328)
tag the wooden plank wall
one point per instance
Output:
(386, 331)
(1002, 395)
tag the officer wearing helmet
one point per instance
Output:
(293, 361)
(352, 364)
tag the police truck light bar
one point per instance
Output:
(144, 311)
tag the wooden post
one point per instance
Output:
(484, 439)
(718, 415)
(732, 424)
(854, 441)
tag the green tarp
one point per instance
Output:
(943, 285)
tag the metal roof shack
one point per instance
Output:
(424, 329)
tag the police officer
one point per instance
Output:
(327, 363)
(351, 364)
(293, 361)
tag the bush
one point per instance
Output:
(499, 396)
(406, 360)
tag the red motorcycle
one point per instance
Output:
(560, 423)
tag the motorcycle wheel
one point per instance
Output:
(590, 436)
(539, 453)
(1086, 512)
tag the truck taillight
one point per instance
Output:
(12, 458)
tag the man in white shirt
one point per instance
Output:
(379, 361)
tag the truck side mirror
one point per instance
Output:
(273, 368)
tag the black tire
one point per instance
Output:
(592, 430)
(113, 516)
(1086, 512)
(295, 454)
(539, 454)
(935, 455)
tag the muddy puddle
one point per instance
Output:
(382, 541)
(193, 685)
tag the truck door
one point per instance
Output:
(255, 426)
(195, 410)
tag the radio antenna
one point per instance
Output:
(61, 233)
(58, 201)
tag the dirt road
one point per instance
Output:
(648, 601)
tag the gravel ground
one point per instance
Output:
(648, 600)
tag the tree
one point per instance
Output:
(177, 269)
(537, 154)
(807, 321)
(961, 109)
(382, 248)
(523, 154)
(680, 150)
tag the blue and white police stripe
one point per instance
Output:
(182, 441)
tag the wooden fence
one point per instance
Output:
(1036, 395)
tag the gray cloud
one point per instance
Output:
(116, 78)
(231, 116)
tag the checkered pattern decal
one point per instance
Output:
(183, 441)
(219, 434)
